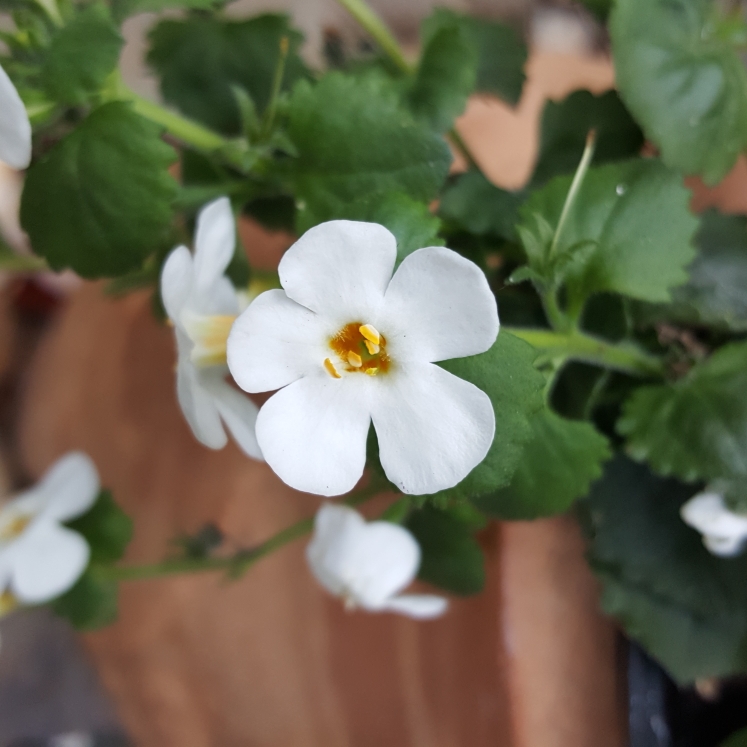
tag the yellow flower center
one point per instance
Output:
(14, 527)
(359, 348)
(209, 334)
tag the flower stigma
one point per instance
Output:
(360, 349)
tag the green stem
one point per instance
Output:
(239, 562)
(578, 180)
(52, 10)
(580, 346)
(10, 262)
(463, 148)
(378, 30)
(277, 82)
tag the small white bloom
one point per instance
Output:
(15, 129)
(368, 564)
(202, 305)
(347, 344)
(724, 531)
(39, 558)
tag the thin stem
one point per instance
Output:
(576, 345)
(235, 564)
(578, 180)
(463, 148)
(370, 21)
(52, 10)
(277, 82)
(11, 262)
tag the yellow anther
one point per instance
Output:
(372, 347)
(355, 360)
(372, 371)
(331, 370)
(370, 333)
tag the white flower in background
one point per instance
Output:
(39, 557)
(346, 343)
(15, 130)
(368, 564)
(202, 305)
(724, 531)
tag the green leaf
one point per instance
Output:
(637, 214)
(200, 60)
(695, 428)
(124, 8)
(356, 142)
(451, 557)
(501, 54)
(714, 295)
(565, 125)
(600, 8)
(445, 77)
(738, 739)
(685, 606)
(99, 202)
(558, 464)
(682, 81)
(81, 55)
(478, 206)
(106, 528)
(91, 603)
(507, 375)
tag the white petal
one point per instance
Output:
(70, 486)
(340, 269)
(336, 530)
(198, 406)
(313, 433)
(274, 342)
(418, 606)
(438, 306)
(47, 562)
(215, 242)
(238, 412)
(15, 130)
(725, 547)
(707, 512)
(176, 281)
(433, 428)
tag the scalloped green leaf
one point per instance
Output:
(683, 80)
(695, 428)
(106, 528)
(91, 603)
(557, 466)
(100, 201)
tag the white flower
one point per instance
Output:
(15, 130)
(351, 344)
(39, 558)
(367, 564)
(202, 305)
(724, 531)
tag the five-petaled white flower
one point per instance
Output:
(15, 130)
(346, 343)
(724, 531)
(368, 564)
(202, 305)
(39, 558)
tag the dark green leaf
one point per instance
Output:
(91, 603)
(685, 606)
(682, 81)
(451, 557)
(557, 466)
(565, 125)
(600, 8)
(81, 55)
(637, 214)
(100, 200)
(506, 374)
(445, 77)
(356, 142)
(106, 528)
(695, 428)
(739, 739)
(200, 60)
(477, 205)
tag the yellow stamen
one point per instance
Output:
(370, 333)
(372, 347)
(331, 370)
(355, 360)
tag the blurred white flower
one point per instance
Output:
(367, 564)
(39, 558)
(15, 129)
(202, 305)
(724, 531)
(347, 343)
